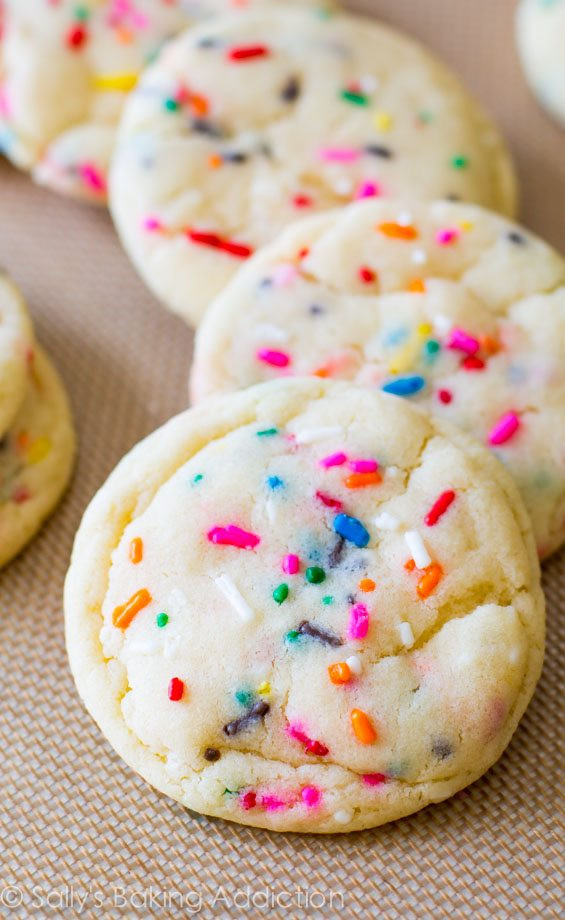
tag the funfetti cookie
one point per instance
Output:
(36, 457)
(306, 606)
(68, 69)
(16, 351)
(447, 305)
(540, 36)
(245, 124)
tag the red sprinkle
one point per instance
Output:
(245, 52)
(248, 800)
(76, 37)
(444, 396)
(472, 363)
(374, 779)
(214, 241)
(328, 501)
(302, 201)
(439, 507)
(366, 274)
(176, 689)
(274, 358)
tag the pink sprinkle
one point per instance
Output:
(328, 501)
(312, 747)
(284, 274)
(459, 340)
(272, 803)
(374, 779)
(504, 429)
(290, 564)
(358, 625)
(363, 466)
(367, 190)
(311, 796)
(233, 536)
(152, 224)
(92, 176)
(248, 800)
(445, 396)
(447, 237)
(339, 154)
(274, 358)
(333, 460)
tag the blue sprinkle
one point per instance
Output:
(351, 529)
(405, 386)
(275, 482)
(396, 336)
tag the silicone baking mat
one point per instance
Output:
(80, 833)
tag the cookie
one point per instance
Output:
(16, 350)
(68, 69)
(446, 304)
(246, 123)
(540, 36)
(36, 456)
(306, 606)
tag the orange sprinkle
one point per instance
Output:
(322, 372)
(199, 104)
(123, 615)
(136, 550)
(215, 161)
(417, 286)
(340, 672)
(367, 584)
(398, 231)
(124, 35)
(490, 344)
(410, 565)
(429, 580)
(363, 727)
(360, 480)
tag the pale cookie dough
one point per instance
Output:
(36, 457)
(16, 351)
(306, 607)
(540, 36)
(68, 68)
(446, 304)
(246, 123)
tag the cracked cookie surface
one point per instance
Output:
(306, 607)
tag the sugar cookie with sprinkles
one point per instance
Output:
(540, 36)
(296, 114)
(445, 304)
(36, 458)
(306, 606)
(16, 351)
(68, 69)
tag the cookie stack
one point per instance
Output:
(312, 602)
(36, 440)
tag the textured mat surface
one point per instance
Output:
(80, 834)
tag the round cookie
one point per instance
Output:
(446, 304)
(540, 36)
(306, 606)
(294, 114)
(36, 457)
(16, 350)
(68, 69)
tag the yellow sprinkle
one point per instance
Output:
(466, 225)
(264, 689)
(38, 450)
(405, 357)
(383, 121)
(425, 329)
(121, 82)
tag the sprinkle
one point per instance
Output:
(461, 341)
(327, 600)
(374, 779)
(417, 286)
(386, 521)
(325, 636)
(363, 727)
(361, 480)
(328, 501)
(212, 754)
(363, 466)
(406, 634)
(419, 256)
(429, 580)
(136, 550)
(233, 536)
(290, 564)
(274, 358)
(171, 105)
(280, 594)
(244, 697)
(366, 274)
(291, 90)
(38, 451)
(447, 237)
(397, 231)
(339, 154)
(416, 546)
(76, 37)
(358, 625)
(264, 688)
(504, 429)
(274, 482)
(152, 224)
(349, 95)
(315, 575)
(351, 529)
(367, 585)
(92, 177)
(354, 664)
(226, 585)
(472, 363)
(310, 435)
(367, 190)
(246, 52)
(444, 396)
(123, 615)
(343, 816)
(248, 800)
(118, 82)
(176, 689)
(267, 432)
(312, 747)
(378, 150)
(459, 161)
(383, 121)
(337, 459)
(311, 796)
(339, 672)
(405, 386)
(302, 201)
(257, 712)
(214, 241)
(439, 507)
(161, 620)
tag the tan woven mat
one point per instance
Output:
(80, 834)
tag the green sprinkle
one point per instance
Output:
(292, 636)
(82, 13)
(171, 105)
(328, 599)
(431, 350)
(349, 95)
(245, 697)
(162, 619)
(229, 791)
(198, 478)
(315, 575)
(267, 432)
(280, 593)
(460, 162)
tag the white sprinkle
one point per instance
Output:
(406, 634)
(416, 546)
(386, 521)
(171, 644)
(178, 601)
(309, 435)
(354, 664)
(175, 766)
(442, 324)
(270, 332)
(392, 472)
(272, 509)
(238, 602)
(419, 256)
(404, 219)
(143, 647)
(343, 816)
